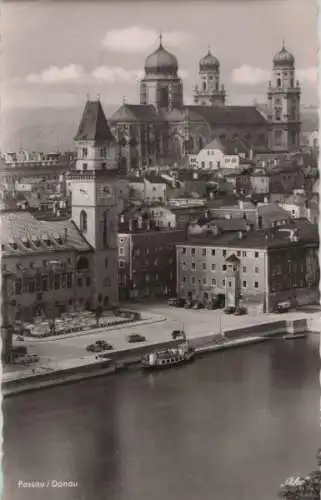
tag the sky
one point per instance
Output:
(57, 53)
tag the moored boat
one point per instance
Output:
(168, 358)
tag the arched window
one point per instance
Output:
(204, 85)
(278, 82)
(82, 263)
(83, 221)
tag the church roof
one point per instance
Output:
(230, 115)
(23, 234)
(161, 62)
(184, 114)
(93, 125)
(135, 113)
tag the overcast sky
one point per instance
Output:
(57, 52)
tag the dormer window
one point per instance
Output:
(84, 152)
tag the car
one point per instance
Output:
(230, 310)
(20, 338)
(26, 359)
(198, 305)
(135, 337)
(188, 304)
(99, 346)
(282, 307)
(219, 301)
(172, 301)
(17, 351)
(240, 311)
(177, 334)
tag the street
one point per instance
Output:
(196, 323)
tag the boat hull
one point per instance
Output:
(167, 366)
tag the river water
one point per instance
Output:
(231, 426)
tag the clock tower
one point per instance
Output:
(95, 189)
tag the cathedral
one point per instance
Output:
(162, 130)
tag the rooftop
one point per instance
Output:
(23, 234)
(93, 125)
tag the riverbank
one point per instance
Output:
(73, 370)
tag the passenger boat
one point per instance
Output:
(168, 358)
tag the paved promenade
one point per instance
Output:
(157, 323)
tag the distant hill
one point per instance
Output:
(51, 129)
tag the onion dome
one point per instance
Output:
(283, 58)
(209, 62)
(161, 62)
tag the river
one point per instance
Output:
(231, 426)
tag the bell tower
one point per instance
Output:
(96, 199)
(284, 103)
(209, 92)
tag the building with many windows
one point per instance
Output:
(272, 265)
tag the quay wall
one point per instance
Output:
(90, 368)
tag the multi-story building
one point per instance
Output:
(219, 154)
(70, 264)
(272, 265)
(146, 257)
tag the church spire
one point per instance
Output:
(160, 39)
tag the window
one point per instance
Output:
(204, 252)
(223, 282)
(229, 283)
(213, 253)
(204, 265)
(204, 281)
(218, 164)
(244, 269)
(84, 152)
(256, 284)
(184, 279)
(79, 282)
(184, 251)
(256, 254)
(121, 250)
(193, 251)
(224, 253)
(224, 267)
(214, 281)
(18, 287)
(193, 280)
(238, 253)
(57, 282)
(32, 265)
(69, 280)
(211, 164)
(244, 283)
(106, 262)
(203, 164)
(193, 265)
(244, 254)
(83, 221)
(121, 264)
(213, 267)
(256, 270)
(84, 166)
(278, 82)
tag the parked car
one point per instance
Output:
(176, 302)
(188, 304)
(240, 311)
(26, 359)
(135, 337)
(198, 305)
(177, 334)
(229, 310)
(17, 351)
(282, 307)
(98, 346)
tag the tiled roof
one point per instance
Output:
(307, 233)
(93, 125)
(136, 113)
(21, 234)
(230, 115)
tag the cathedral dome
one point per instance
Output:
(209, 62)
(283, 58)
(161, 62)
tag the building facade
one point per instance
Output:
(273, 266)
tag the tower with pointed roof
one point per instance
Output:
(284, 103)
(161, 85)
(209, 92)
(95, 191)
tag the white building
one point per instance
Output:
(215, 155)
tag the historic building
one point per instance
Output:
(163, 130)
(209, 92)
(55, 266)
(284, 103)
(266, 266)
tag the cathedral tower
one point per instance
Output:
(209, 92)
(284, 103)
(161, 85)
(95, 199)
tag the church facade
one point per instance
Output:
(162, 130)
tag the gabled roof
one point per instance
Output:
(136, 113)
(93, 125)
